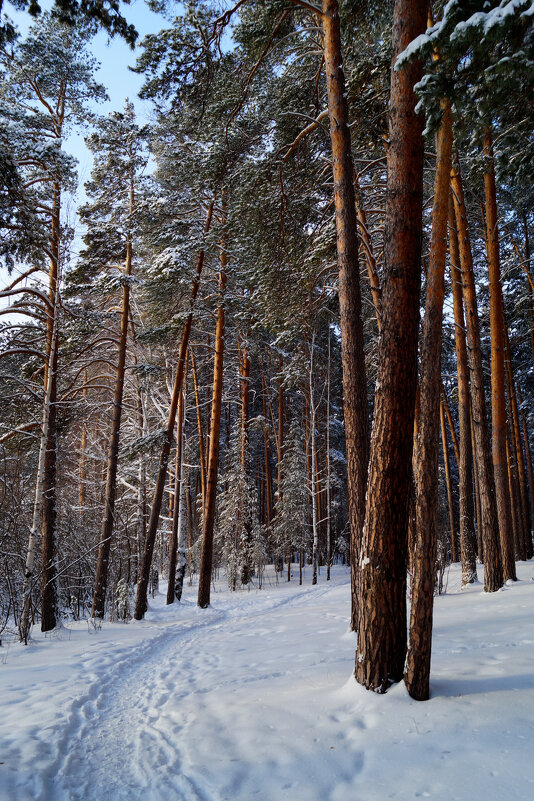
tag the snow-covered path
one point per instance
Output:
(252, 699)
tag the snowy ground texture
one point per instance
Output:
(253, 699)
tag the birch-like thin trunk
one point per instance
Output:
(177, 510)
(31, 555)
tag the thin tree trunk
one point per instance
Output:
(417, 670)
(498, 398)
(173, 547)
(468, 546)
(528, 460)
(206, 559)
(352, 348)
(448, 484)
(101, 579)
(381, 649)
(328, 488)
(31, 555)
(49, 590)
(201, 447)
(488, 522)
(150, 539)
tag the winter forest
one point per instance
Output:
(278, 342)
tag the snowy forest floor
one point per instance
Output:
(253, 699)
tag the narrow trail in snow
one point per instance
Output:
(125, 737)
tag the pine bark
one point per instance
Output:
(381, 649)
(468, 547)
(178, 479)
(417, 670)
(488, 522)
(206, 557)
(352, 348)
(498, 398)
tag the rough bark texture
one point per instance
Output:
(468, 546)
(488, 523)
(381, 646)
(417, 670)
(448, 483)
(150, 539)
(352, 352)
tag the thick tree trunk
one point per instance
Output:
(417, 669)
(352, 350)
(468, 546)
(498, 398)
(206, 558)
(488, 522)
(101, 579)
(381, 649)
(150, 539)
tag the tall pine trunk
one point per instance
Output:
(352, 349)
(381, 649)
(206, 557)
(468, 547)
(498, 399)
(417, 670)
(488, 522)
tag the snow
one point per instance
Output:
(253, 699)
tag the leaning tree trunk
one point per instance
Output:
(498, 398)
(417, 669)
(106, 532)
(381, 646)
(206, 557)
(468, 546)
(493, 575)
(155, 509)
(351, 327)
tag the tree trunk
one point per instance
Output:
(206, 559)
(417, 670)
(488, 523)
(150, 539)
(101, 579)
(465, 464)
(498, 399)
(173, 547)
(381, 646)
(352, 350)
(49, 590)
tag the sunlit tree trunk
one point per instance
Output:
(352, 351)
(465, 463)
(206, 558)
(498, 398)
(488, 522)
(381, 649)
